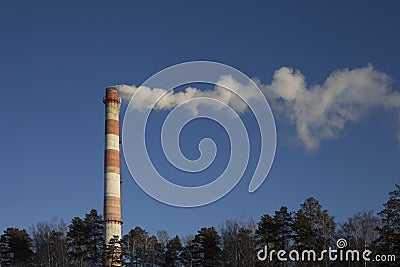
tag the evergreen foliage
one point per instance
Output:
(234, 244)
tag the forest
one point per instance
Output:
(233, 243)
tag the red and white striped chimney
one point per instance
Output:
(112, 166)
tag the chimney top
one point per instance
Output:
(111, 95)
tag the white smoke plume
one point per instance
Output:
(165, 99)
(318, 112)
(321, 112)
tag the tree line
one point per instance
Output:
(233, 243)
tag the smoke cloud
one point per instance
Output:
(318, 112)
(165, 99)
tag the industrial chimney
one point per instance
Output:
(112, 166)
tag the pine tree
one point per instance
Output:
(275, 232)
(86, 240)
(173, 252)
(15, 248)
(95, 242)
(134, 246)
(389, 240)
(113, 252)
(313, 227)
(206, 248)
(78, 242)
(283, 227)
(267, 232)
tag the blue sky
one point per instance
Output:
(57, 59)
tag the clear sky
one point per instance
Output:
(56, 59)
